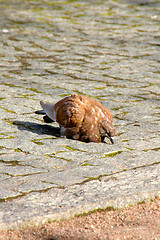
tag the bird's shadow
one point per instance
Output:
(37, 128)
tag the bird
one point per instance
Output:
(80, 118)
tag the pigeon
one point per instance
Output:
(80, 118)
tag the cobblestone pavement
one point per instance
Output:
(108, 50)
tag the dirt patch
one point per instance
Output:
(137, 222)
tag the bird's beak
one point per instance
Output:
(111, 139)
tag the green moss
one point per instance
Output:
(12, 163)
(130, 205)
(7, 137)
(20, 150)
(7, 110)
(85, 164)
(37, 9)
(6, 76)
(109, 13)
(73, 149)
(64, 95)
(50, 155)
(69, 148)
(106, 209)
(67, 160)
(37, 142)
(60, 151)
(131, 149)
(142, 202)
(18, 49)
(99, 88)
(34, 90)
(111, 154)
(17, 150)
(93, 178)
(152, 149)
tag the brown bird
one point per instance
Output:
(81, 118)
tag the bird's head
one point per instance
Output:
(107, 130)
